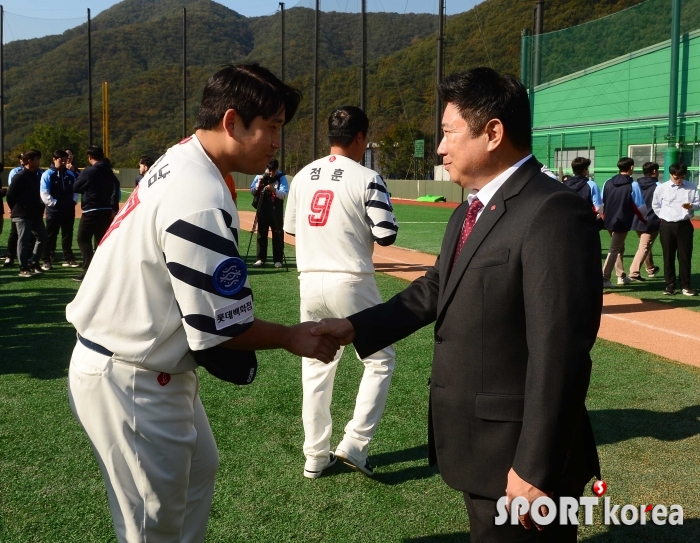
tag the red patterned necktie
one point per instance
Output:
(468, 226)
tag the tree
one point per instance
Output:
(48, 139)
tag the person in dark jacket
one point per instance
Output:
(580, 182)
(27, 214)
(13, 238)
(648, 231)
(56, 191)
(100, 189)
(145, 162)
(622, 199)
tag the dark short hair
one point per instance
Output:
(31, 154)
(345, 123)
(678, 169)
(60, 153)
(96, 152)
(580, 164)
(650, 167)
(69, 151)
(482, 94)
(251, 90)
(625, 163)
(273, 164)
(146, 161)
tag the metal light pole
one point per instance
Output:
(315, 104)
(538, 29)
(184, 73)
(282, 77)
(438, 104)
(671, 153)
(89, 59)
(2, 94)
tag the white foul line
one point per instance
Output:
(656, 328)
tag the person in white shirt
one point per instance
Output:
(675, 203)
(132, 381)
(338, 209)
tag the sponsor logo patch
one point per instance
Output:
(229, 276)
(234, 313)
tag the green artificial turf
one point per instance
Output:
(644, 410)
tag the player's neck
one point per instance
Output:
(211, 142)
(349, 152)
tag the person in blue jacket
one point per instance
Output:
(623, 200)
(56, 189)
(648, 231)
(586, 187)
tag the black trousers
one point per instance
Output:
(270, 217)
(13, 239)
(63, 222)
(677, 238)
(483, 529)
(28, 230)
(91, 230)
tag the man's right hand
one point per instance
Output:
(340, 329)
(302, 342)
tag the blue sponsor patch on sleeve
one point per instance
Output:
(230, 276)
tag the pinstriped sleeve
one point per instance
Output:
(380, 213)
(194, 247)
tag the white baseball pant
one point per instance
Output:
(326, 294)
(153, 443)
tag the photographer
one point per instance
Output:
(269, 191)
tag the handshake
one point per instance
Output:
(320, 340)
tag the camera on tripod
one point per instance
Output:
(265, 181)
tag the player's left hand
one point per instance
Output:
(303, 343)
(519, 487)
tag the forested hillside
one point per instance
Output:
(137, 48)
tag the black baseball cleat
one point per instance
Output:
(636, 277)
(316, 474)
(79, 278)
(654, 271)
(363, 467)
(670, 291)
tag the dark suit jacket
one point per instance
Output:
(515, 321)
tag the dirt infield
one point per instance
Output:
(669, 332)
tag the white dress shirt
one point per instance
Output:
(669, 199)
(490, 188)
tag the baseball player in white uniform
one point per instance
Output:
(338, 209)
(167, 290)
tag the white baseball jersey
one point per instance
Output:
(166, 277)
(337, 209)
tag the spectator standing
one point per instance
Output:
(622, 199)
(647, 232)
(56, 191)
(270, 190)
(12, 239)
(100, 189)
(70, 163)
(27, 214)
(581, 183)
(145, 162)
(675, 203)
(231, 184)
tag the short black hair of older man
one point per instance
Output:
(249, 89)
(482, 94)
(345, 123)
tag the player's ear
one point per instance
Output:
(229, 121)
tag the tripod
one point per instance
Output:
(276, 227)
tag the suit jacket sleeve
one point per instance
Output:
(563, 294)
(408, 311)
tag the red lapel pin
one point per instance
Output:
(493, 207)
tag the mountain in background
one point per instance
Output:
(137, 49)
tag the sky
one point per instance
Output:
(25, 19)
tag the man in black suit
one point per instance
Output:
(516, 297)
